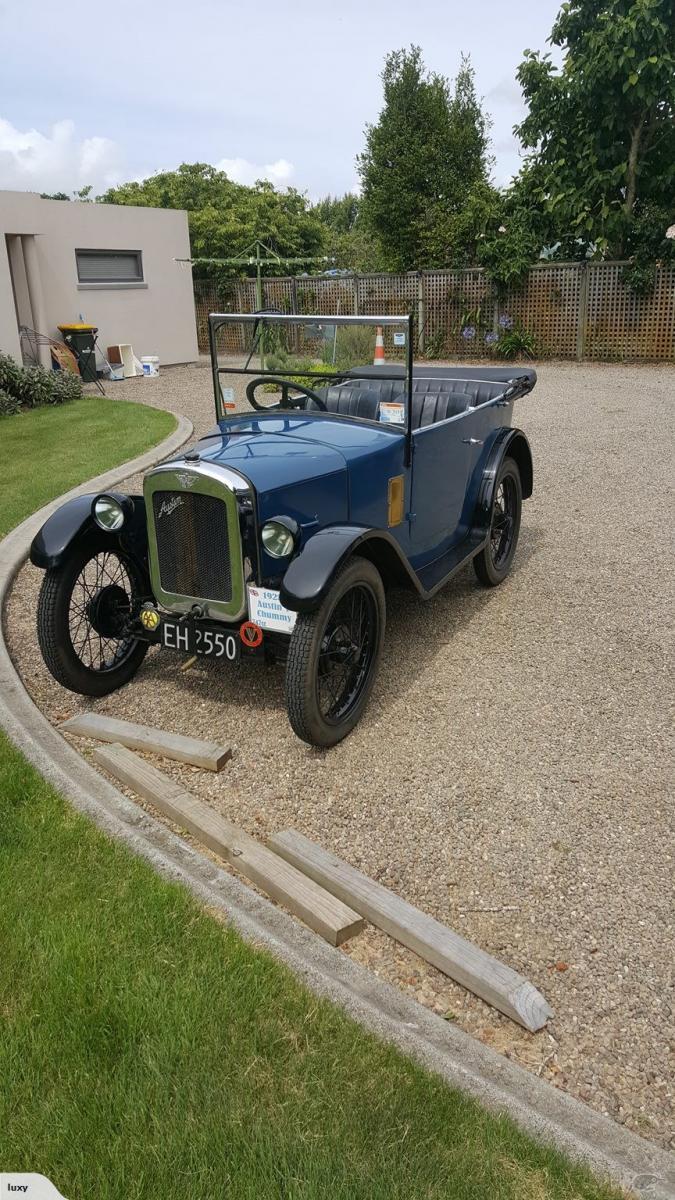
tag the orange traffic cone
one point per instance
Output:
(378, 360)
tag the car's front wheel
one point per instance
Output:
(334, 654)
(82, 617)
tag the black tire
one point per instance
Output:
(493, 563)
(312, 666)
(67, 613)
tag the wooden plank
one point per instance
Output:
(209, 755)
(494, 982)
(316, 907)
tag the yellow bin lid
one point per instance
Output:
(77, 325)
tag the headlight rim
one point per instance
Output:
(287, 524)
(123, 504)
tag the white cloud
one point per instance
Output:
(240, 170)
(507, 91)
(57, 161)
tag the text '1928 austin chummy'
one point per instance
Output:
(276, 536)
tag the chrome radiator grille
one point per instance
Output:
(193, 547)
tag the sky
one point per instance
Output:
(278, 89)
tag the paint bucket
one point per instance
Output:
(150, 364)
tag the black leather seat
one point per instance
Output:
(429, 407)
(351, 400)
(434, 399)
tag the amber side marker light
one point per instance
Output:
(251, 634)
(395, 501)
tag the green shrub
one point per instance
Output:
(35, 387)
(66, 386)
(276, 362)
(296, 370)
(304, 365)
(355, 347)
(32, 387)
(10, 376)
(434, 344)
(515, 343)
(8, 404)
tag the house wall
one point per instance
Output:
(9, 334)
(156, 317)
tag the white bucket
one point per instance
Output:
(150, 364)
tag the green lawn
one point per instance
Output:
(147, 1052)
(48, 450)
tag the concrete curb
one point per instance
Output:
(550, 1115)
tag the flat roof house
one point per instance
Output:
(113, 265)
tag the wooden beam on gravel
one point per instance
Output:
(209, 755)
(316, 907)
(494, 982)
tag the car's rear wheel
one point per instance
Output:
(334, 654)
(493, 563)
(83, 610)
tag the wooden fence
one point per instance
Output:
(573, 310)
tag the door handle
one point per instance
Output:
(472, 441)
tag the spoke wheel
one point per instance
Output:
(493, 563)
(333, 656)
(100, 604)
(504, 511)
(83, 613)
(346, 653)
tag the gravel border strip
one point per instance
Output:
(544, 1111)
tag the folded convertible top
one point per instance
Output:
(501, 374)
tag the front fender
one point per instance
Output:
(73, 522)
(309, 576)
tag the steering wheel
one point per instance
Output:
(286, 400)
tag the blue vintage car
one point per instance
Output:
(278, 534)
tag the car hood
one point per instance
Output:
(277, 451)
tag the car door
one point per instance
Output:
(442, 462)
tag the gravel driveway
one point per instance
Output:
(513, 773)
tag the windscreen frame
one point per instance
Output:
(403, 321)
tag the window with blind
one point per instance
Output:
(109, 266)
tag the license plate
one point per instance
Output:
(205, 641)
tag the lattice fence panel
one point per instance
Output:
(389, 296)
(324, 297)
(246, 295)
(278, 293)
(456, 300)
(211, 297)
(625, 326)
(551, 305)
(548, 308)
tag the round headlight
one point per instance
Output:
(279, 538)
(108, 513)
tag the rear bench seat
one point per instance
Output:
(433, 399)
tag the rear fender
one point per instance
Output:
(509, 443)
(310, 575)
(73, 523)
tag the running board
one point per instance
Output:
(435, 574)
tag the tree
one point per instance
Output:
(225, 217)
(601, 130)
(347, 238)
(340, 213)
(455, 222)
(83, 194)
(426, 154)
